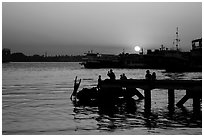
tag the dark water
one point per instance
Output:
(35, 100)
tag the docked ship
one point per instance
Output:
(191, 61)
(163, 58)
(96, 60)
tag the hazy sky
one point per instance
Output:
(75, 28)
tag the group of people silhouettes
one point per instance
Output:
(123, 77)
(112, 76)
(149, 76)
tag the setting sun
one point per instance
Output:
(137, 48)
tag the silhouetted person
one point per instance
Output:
(148, 75)
(111, 74)
(99, 81)
(153, 76)
(123, 77)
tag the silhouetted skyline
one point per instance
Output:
(75, 28)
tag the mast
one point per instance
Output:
(177, 40)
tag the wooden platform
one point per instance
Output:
(156, 84)
(193, 90)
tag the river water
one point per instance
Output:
(36, 101)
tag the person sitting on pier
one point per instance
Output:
(148, 75)
(111, 74)
(153, 76)
(123, 77)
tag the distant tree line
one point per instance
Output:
(7, 56)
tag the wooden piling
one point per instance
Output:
(147, 101)
(196, 103)
(171, 99)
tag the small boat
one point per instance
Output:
(109, 102)
(96, 94)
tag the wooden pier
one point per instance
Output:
(193, 90)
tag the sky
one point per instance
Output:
(75, 28)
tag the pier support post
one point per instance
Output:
(196, 103)
(147, 101)
(171, 99)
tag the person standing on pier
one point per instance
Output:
(148, 76)
(111, 74)
(99, 81)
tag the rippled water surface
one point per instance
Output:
(36, 100)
